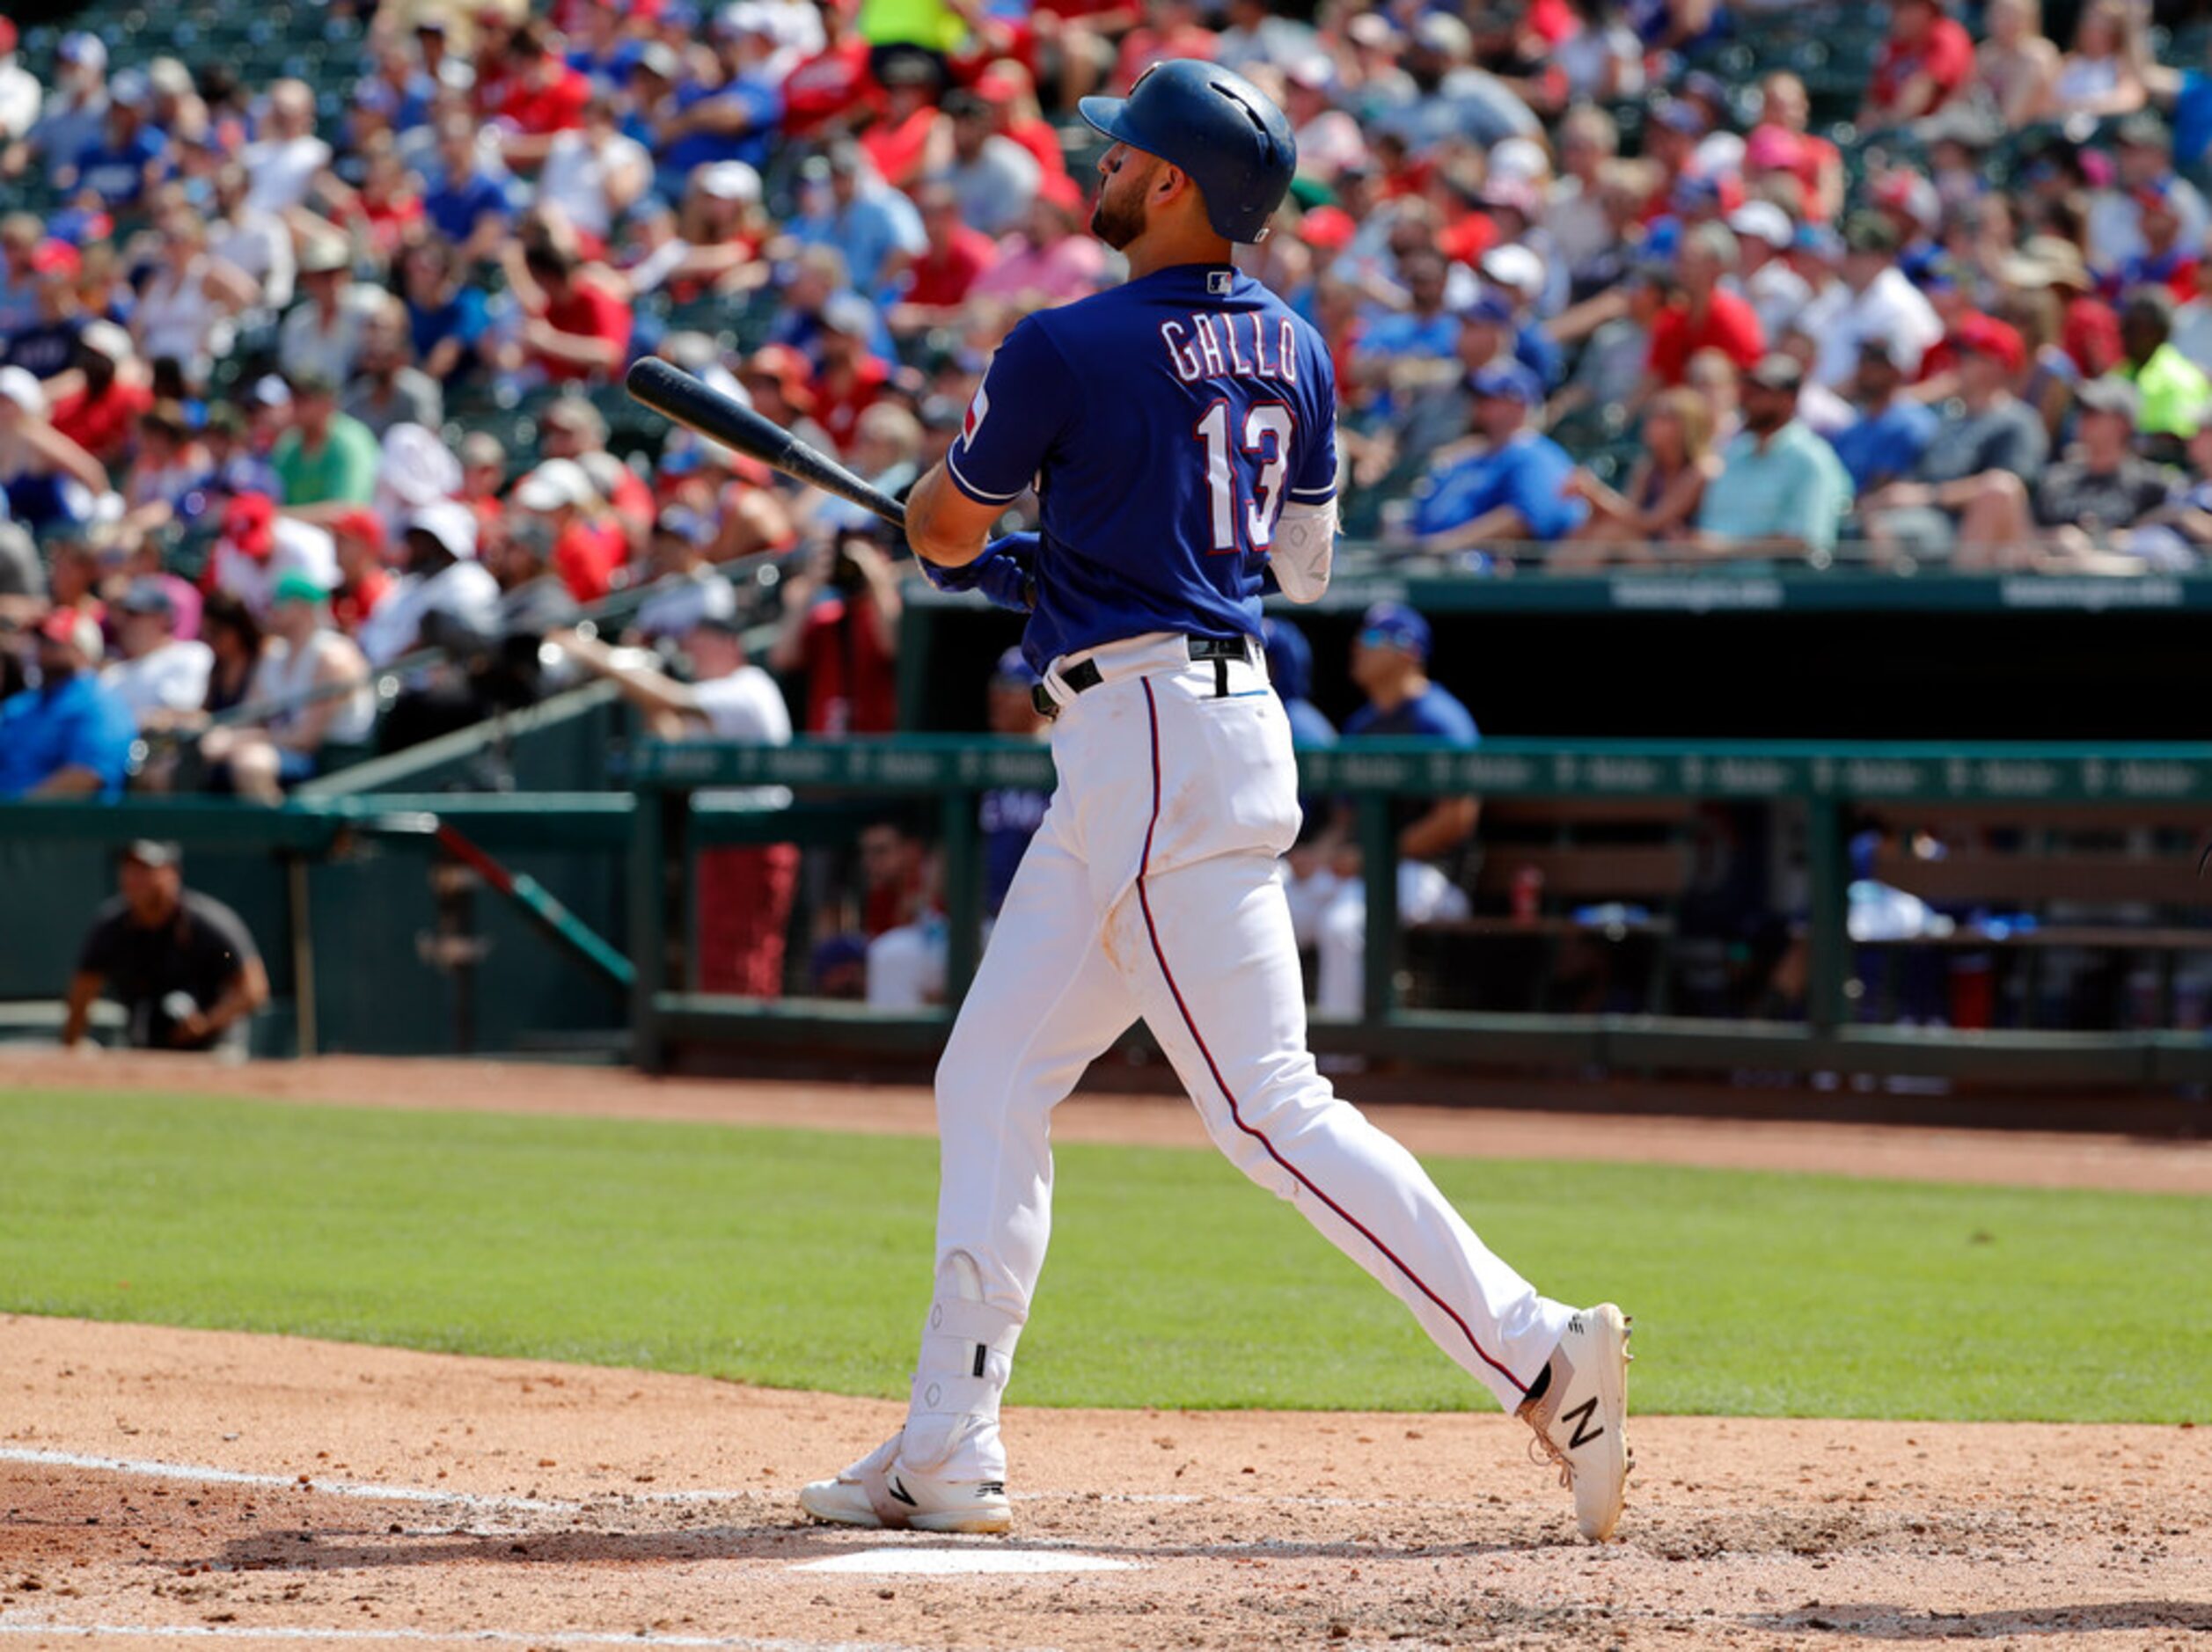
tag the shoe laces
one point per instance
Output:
(1543, 1448)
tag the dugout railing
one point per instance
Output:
(1829, 787)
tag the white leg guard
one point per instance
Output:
(967, 1358)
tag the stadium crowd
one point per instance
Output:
(307, 390)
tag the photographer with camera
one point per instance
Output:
(840, 628)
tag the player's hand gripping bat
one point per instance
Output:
(677, 395)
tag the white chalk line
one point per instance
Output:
(150, 1469)
(375, 1492)
(494, 1637)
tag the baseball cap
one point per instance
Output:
(73, 628)
(1985, 335)
(148, 597)
(322, 254)
(1677, 116)
(1870, 232)
(1329, 228)
(451, 524)
(7, 37)
(360, 522)
(84, 48)
(553, 485)
(1773, 148)
(788, 371)
(154, 851)
(1508, 380)
(1013, 670)
(298, 587)
(249, 523)
(20, 386)
(730, 181)
(1394, 625)
(850, 314)
(1762, 221)
(269, 391)
(679, 522)
(1515, 267)
(2110, 395)
(1776, 371)
(1520, 159)
(104, 338)
(130, 89)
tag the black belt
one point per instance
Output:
(1084, 675)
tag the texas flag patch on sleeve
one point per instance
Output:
(979, 410)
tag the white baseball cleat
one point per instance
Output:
(1581, 1416)
(881, 1492)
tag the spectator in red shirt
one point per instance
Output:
(577, 329)
(898, 140)
(937, 282)
(1928, 57)
(1007, 87)
(541, 93)
(851, 376)
(359, 536)
(102, 416)
(1703, 315)
(587, 550)
(833, 84)
(573, 428)
(840, 626)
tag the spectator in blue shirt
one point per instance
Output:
(1289, 669)
(1425, 331)
(732, 118)
(131, 156)
(67, 737)
(469, 209)
(876, 229)
(1893, 430)
(1514, 487)
(1326, 891)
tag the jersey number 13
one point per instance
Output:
(1246, 524)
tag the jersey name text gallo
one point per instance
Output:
(1231, 346)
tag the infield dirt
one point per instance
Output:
(424, 1499)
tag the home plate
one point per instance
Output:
(964, 1562)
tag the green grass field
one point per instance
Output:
(802, 1260)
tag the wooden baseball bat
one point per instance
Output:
(677, 395)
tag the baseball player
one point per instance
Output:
(1179, 432)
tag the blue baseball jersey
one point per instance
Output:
(1164, 424)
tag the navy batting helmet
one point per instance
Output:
(1218, 128)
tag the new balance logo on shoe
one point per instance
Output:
(991, 1489)
(1580, 1416)
(900, 1493)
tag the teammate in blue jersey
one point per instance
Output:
(1179, 433)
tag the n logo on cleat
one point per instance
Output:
(1580, 1417)
(899, 1492)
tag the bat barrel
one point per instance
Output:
(699, 406)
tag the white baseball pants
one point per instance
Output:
(1152, 890)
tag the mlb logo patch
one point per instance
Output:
(979, 410)
(1217, 282)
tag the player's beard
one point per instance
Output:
(1118, 222)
